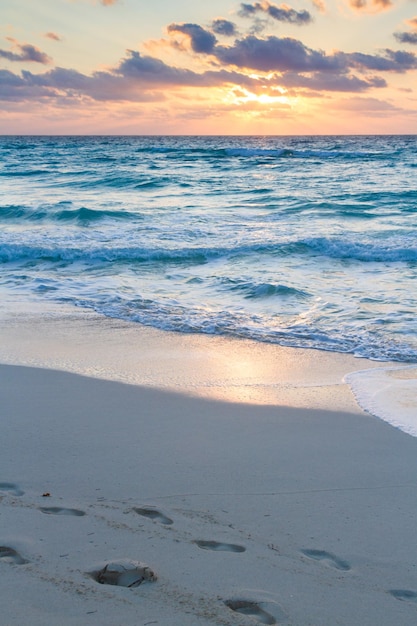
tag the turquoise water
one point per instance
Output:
(301, 241)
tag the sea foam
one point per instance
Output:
(388, 393)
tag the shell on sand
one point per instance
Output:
(124, 573)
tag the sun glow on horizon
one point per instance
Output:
(244, 96)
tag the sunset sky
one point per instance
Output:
(218, 67)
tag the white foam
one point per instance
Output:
(388, 393)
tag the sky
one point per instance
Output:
(190, 67)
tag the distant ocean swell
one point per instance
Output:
(301, 241)
(192, 150)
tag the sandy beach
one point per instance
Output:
(165, 504)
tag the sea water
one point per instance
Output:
(301, 241)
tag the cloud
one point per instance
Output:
(372, 107)
(320, 5)
(393, 61)
(9, 79)
(247, 10)
(282, 13)
(408, 37)
(287, 54)
(383, 4)
(223, 27)
(63, 86)
(53, 36)
(201, 40)
(140, 78)
(26, 52)
(321, 81)
(149, 71)
(364, 104)
(274, 54)
(137, 78)
(258, 26)
(104, 3)
(16, 88)
(251, 62)
(371, 6)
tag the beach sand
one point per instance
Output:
(298, 510)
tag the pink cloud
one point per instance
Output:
(53, 36)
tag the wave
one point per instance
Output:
(81, 216)
(394, 198)
(94, 254)
(282, 153)
(171, 315)
(190, 151)
(395, 250)
(285, 152)
(114, 181)
(292, 153)
(336, 248)
(24, 173)
(85, 215)
(252, 290)
(241, 151)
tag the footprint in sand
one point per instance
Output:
(331, 559)
(154, 514)
(11, 488)
(404, 594)
(124, 573)
(217, 546)
(56, 510)
(11, 556)
(248, 607)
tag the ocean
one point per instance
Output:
(307, 242)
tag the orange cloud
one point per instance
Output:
(320, 5)
(371, 6)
